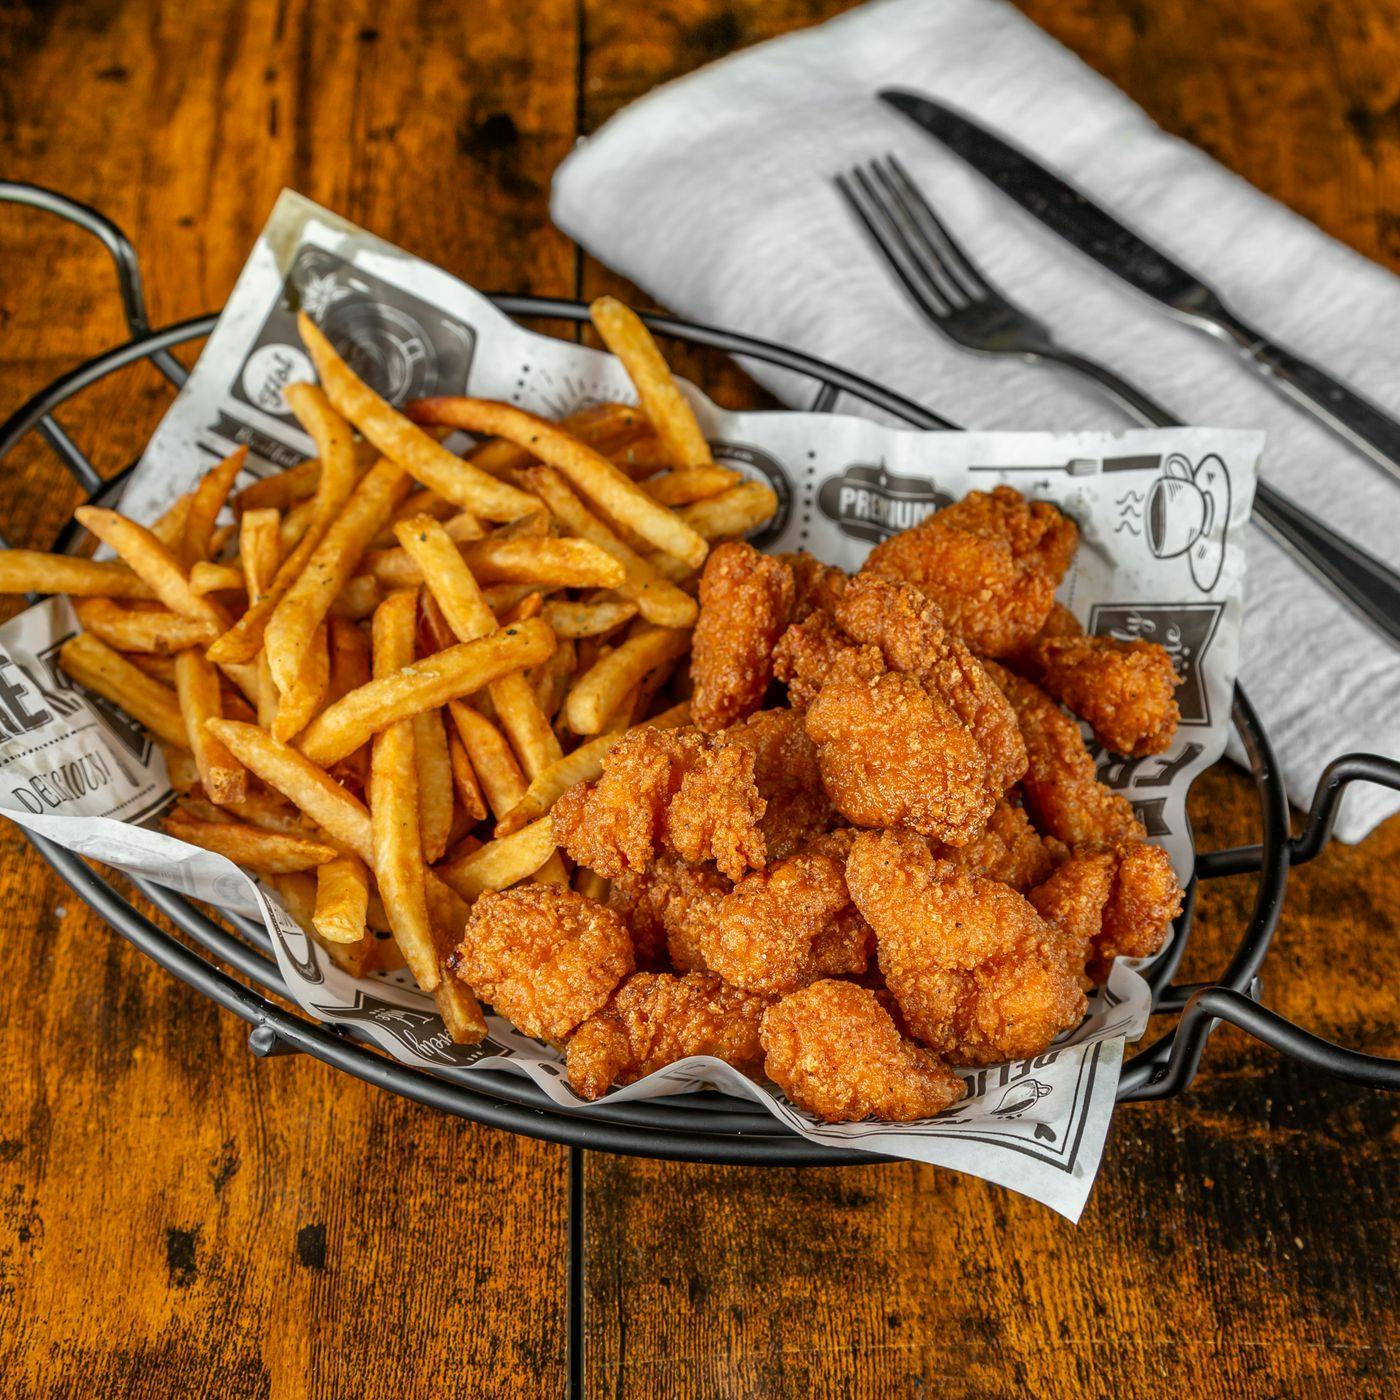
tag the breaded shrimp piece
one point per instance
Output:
(991, 562)
(1118, 901)
(1126, 690)
(818, 585)
(746, 601)
(655, 1019)
(667, 907)
(716, 812)
(788, 779)
(616, 823)
(893, 752)
(544, 956)
(806, 653)
(979, 976)
(835, 1051)
(908, 628)
(782, 927)
(1008, 849)
(1061, 788)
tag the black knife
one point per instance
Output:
(1078, 220)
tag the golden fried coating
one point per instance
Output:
(1118, 901)
(667, 907)
(893, 752)
(819, 585)
(805, 654)
(544, 956)
(782, 927)
(835, 1051)
(739, 798)
(1126, 690)
(991, 562)
(1061, 788)
(1008, 849)
(655, 1019)
(908, 628)
(746, 600)
(979, 976)
(615, 824)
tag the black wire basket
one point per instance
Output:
(230, 962)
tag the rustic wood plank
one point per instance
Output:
(1239, 1241)
(177, 1218)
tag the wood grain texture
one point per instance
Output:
(177, 1218)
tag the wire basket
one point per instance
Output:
(230, 961)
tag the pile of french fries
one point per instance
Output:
(373, 674)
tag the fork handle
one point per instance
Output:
(1370, 587)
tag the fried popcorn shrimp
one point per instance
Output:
(544, 956)
(1008, 849)
(746, 600)
(716, 812)
(1117, 901)
(835, 1051)
(893, 752)
(655, 1019)
(978, 974)
(1126, 690)
(991, 562)
(818, 585)
(805, 655)
(782, 927)
(788, 779)
(667, 907)
(908, 628)
(1061, 788)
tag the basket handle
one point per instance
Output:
(118, 245)
(1212, 1003)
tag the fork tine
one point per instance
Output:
(915, 236)
(919, 209)
(911, 276)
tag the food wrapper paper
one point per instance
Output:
(1161, 514)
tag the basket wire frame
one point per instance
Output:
(703, 1127)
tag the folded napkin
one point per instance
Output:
(714, 194)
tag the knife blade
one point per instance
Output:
(1079, 221)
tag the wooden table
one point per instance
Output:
(177, 1218)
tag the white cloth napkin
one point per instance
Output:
(714, 194)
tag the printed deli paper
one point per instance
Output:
(1161, 512)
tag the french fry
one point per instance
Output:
(298, 896)
(605, 426)
(358, 599)
(152, 561)
(593, 474)
(179, 767)
(267, 852)
(492, 760)
(393, 801)
(350, 669)
(502, 597)
(197, 686)
(550, 680)
(259, 551)
(591, 885)
(644, 457)
(205, 505)
(535, 526)
(215, 578)
(169, 528)
(464, 780)
(460, 1011)
(306, 602)
(297, 707)
(107, 673)
(342, 900)
(281, 490)
(665, 405)
(687, 484)
(599, 691)
(499, 864)
(733, 512)
(457, 595)
(458, 671)
(161, 667)
(420, 502)
(296, 524)
(268, 810)
(657, 599)
(585, 619)
(583, 765)
(310, 788)
(435, 796)
(559, 563)
(128, 629)
(404, 442)
(32, 571)
(334, 442)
